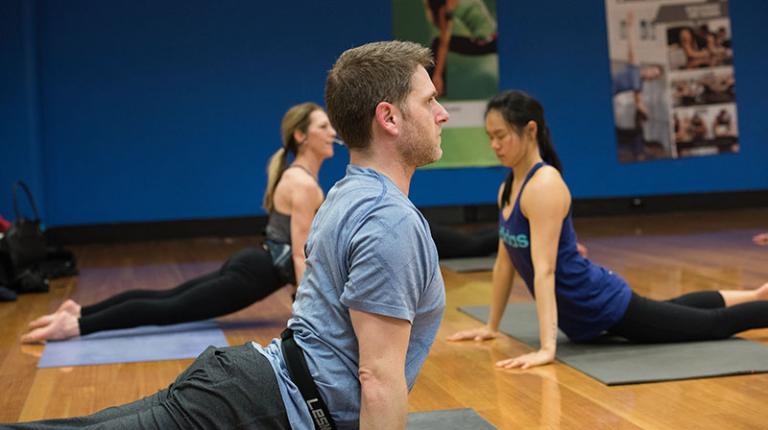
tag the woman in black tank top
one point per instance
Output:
(292, 197)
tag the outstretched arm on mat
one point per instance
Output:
(503, 275)
(545, 203)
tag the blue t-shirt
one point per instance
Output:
(627, 79)
(590, 299)
(370, 250)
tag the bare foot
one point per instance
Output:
(62, 326)
(762, 292)
(42, 321)
(69, 306)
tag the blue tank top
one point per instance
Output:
(590, 299)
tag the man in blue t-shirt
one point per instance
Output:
(371, 298)
(629, 109)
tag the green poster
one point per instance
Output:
(462, 36)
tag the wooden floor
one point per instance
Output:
(661, 256)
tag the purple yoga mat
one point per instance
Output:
(148, 343)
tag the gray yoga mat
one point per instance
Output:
(473, 264)
(450, 419)
(148, 343)
(614, 361)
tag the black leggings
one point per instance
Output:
(690, 317)
(247, 277)
(467, 46)
(451, 243)
(462, 45)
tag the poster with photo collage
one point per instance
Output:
(672, 78)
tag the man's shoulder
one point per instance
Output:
(372, 194)
(397, 209)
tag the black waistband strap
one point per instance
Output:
(299, 372)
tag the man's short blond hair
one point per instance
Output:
(365, 76)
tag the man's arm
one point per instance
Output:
(383, 343)
(631, 57)
(634, 62)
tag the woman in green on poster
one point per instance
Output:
(464, 27)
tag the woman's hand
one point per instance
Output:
(478, 334)
(533, 359)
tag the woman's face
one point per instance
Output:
(320, 135)
(509, 146)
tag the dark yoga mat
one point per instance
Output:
(450, 419)
(148, 343)
(472, 264)
(614, 361)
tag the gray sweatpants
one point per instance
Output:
(224, 388)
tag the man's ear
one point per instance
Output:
(388, 117)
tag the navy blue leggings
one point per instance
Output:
(247, 277)
(691, 317)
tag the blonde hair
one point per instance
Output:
(295, 119)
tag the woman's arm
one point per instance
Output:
(306, 198)
(445, 25)
(545, 203)
(503, 275)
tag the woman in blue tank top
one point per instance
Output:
(584, 300)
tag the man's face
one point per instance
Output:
(423, 119)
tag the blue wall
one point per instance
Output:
(145, 111)
(20, 151)
(558, 51)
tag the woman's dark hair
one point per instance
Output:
(518, 108)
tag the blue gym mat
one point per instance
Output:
(148, 343)
(450, 419)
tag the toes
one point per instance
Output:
(71, 307)
(35, 336)
(41, 322)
